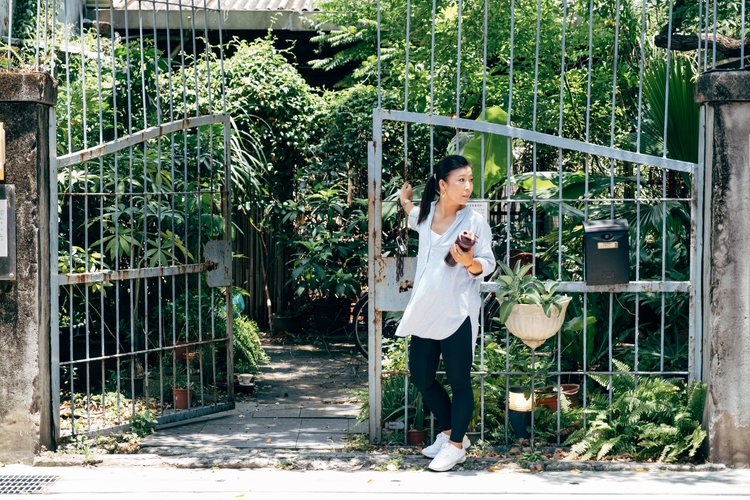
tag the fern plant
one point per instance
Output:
(657, 420)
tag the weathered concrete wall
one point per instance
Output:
(25, 397)
(726, 332)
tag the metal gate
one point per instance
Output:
(629, 327)
(140, 231)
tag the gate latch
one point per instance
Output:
(218, 254)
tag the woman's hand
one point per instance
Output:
(463, 257)
(406, 194)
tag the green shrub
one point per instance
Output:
(657, 420)
(248, 352)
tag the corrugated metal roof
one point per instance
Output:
(226, 5)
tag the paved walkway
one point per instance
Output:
(303, 401)
(145, 483)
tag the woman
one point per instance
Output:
(443, 312)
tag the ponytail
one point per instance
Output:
(442, 169)
(430, 190)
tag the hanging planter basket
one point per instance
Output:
(529, 323)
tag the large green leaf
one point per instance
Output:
(495, 153)
(682, 112)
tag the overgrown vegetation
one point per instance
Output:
(656, 419)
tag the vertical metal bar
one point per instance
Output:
(482, 158)
(713, 57)
(54, 264)
(742, 35)
(406, 90)
(587, 163)
(116, 217)
(699, 51)
(705, 34)
(10, 33)
(66, 37)
(615, 63)
(695, 332)
(507, 384)
(132, 283)
(614, 103)
(483, 369)
(533, 396)
(560, 213)
(639, 130)
(159, 191)
(102, 364)
(228, 231)
(185, 181)
(146, 200)
(227, 208)
(482, 317)
(666, 84)
(212, 194)
(87, 288)
(50, 54)
(198, 183)
(406, 392)
(380, 105)
(432, 84)
(36, 36)
(508, 202)
(609, 347)
(173, 187)
(664, 184)
(509, 156)
(375, 369)
(585, 360)
(458, 58)
(534, 148)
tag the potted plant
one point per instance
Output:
(416, 434)
(182, 386)
(548, 396)
(530, 308)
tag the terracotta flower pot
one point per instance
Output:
(547, 396)
(181, 398)
(416, 437)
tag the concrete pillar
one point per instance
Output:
(25, 396)
(726, 289)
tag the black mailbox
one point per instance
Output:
(606, 252)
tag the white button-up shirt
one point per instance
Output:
(443, 296)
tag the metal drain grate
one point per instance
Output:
(13, 485)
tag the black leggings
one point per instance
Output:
(457, 352)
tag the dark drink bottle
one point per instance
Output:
(465, 240)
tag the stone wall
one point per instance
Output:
(726, 290)
(25, 396)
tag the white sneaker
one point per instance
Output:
(448, 457)
(432, 450)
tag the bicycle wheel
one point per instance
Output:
(359, 320)
(360, 317)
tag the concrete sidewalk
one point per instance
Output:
(261, 426)
(145, 483)
(303, 401)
